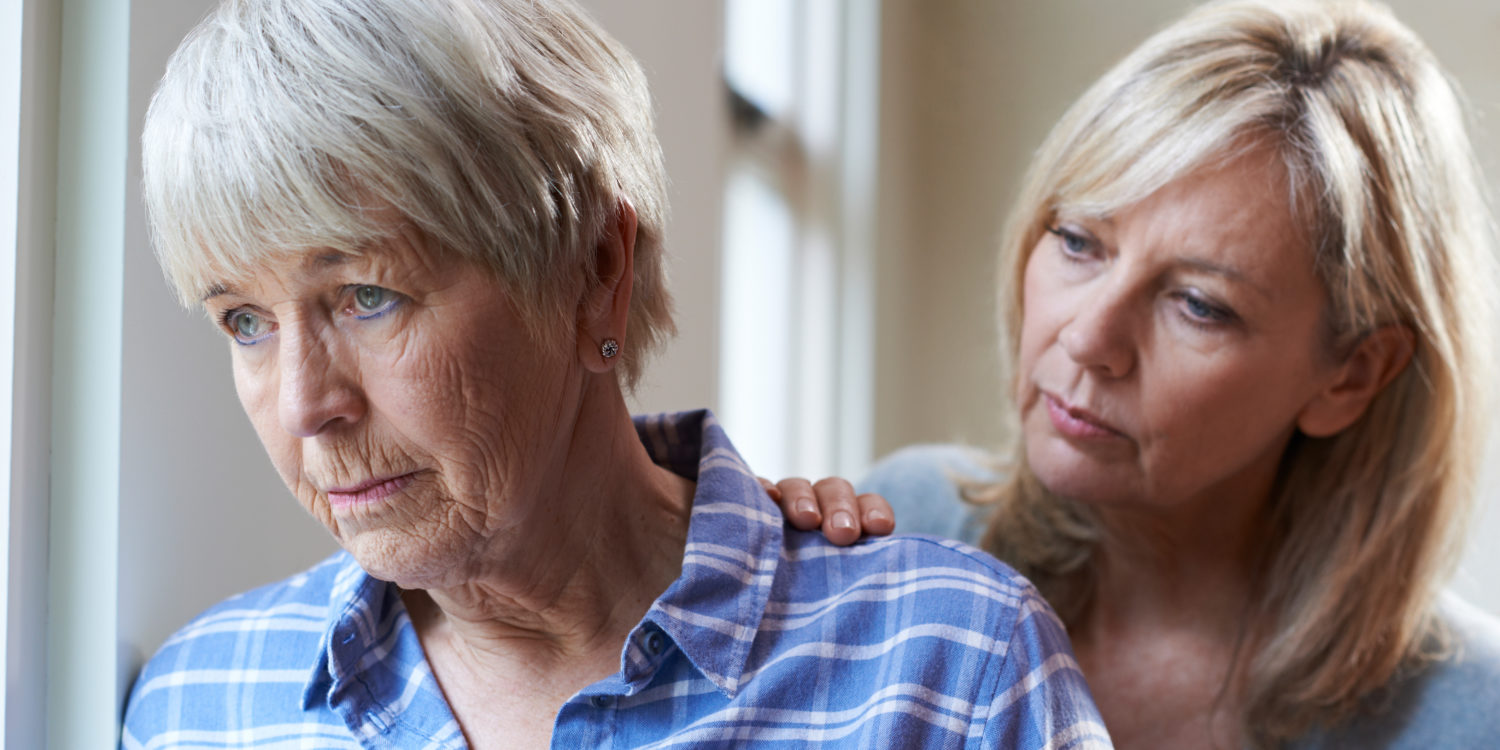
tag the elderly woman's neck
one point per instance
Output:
(572, 581)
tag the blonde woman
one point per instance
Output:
(1247, 298)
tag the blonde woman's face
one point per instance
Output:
(1168, 352)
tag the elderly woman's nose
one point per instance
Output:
(1099, 333)
(317, 389)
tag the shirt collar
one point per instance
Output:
(350, 602)
(713, 610)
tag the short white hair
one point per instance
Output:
(507, 131)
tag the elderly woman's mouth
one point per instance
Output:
(370, 491)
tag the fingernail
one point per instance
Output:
(842, 520)
(876, 515)
(807, 507)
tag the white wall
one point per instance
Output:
(971, 88)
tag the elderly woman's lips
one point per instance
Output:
(372, 491)
(1075, 423)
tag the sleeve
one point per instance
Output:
(920, 482)
(1041, 699)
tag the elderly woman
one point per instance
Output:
(1248, 303)
(432, 233)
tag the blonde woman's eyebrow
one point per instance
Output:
(1228, 272)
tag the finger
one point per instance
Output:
(875, 514)
(772, 490)
(840, 510)
(799, 504)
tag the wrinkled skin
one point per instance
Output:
(440, 384)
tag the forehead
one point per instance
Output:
(366, 229)
(405, 252)
(1238, 214)
(306, 263)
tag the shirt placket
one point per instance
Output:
(600, 716)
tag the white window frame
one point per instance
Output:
(65, 140)
(797, 365)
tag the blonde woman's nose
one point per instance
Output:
(1099, 336)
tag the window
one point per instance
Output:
(795, 375)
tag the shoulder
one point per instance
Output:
(934, 466)
(1447, 703)
(270, 635)
(291, 606)
(922, 484)
(1454, 699)
(938, 613)
(904, 555)
(903, 580)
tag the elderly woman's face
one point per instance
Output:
(1169, 352)
(401, 399)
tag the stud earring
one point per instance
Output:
(610, 348)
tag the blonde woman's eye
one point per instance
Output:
(373, 301)
(1074, 244)
(1200, 311)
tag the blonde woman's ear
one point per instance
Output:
(1376, 360)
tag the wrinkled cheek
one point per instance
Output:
(316, 505)
(258, 397)
(283, 450)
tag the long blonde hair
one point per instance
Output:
(1383, 177)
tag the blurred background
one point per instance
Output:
(840, 169)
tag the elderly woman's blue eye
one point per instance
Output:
(373, 301)
(369, 296)
(246, 327)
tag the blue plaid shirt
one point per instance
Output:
(769, 637)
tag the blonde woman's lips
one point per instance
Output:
(368, 492)
(1077, 424)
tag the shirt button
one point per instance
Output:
(655, 642)
(601, 701)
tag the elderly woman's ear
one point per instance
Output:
(604, 305)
